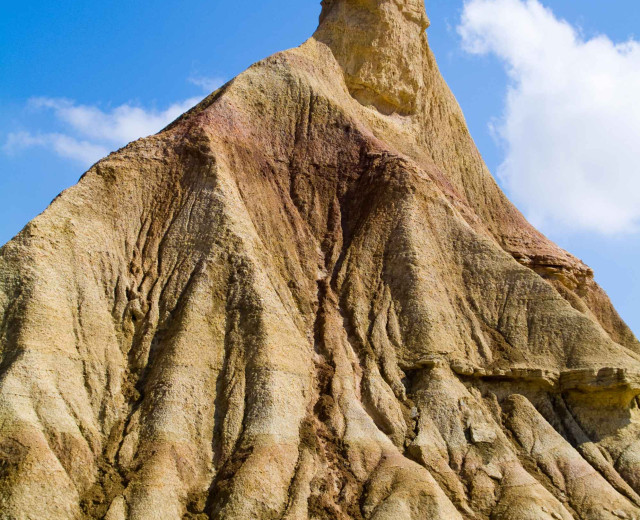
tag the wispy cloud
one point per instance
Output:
(207, 84)
(571, 123)
(119, 125)
(89, 132)
(63, 145)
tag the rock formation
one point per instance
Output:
(307, 298)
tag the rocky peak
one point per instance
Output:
(287, 305)
(381, 47)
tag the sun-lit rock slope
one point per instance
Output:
(307, 298)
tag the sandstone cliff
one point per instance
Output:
(307, 298)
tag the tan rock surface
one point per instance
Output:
(308, 299)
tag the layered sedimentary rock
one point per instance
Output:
(307, 298)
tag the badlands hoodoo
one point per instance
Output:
(307, 298)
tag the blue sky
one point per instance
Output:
(80, 78)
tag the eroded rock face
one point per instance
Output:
(382, 48)
(308, 299)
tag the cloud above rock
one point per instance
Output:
(571, 121)
(86, 133)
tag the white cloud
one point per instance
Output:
(88, 132)
(571, 124)
(207, 84)
(119, 125)
(83, 151)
